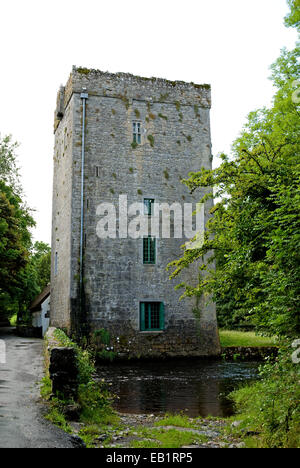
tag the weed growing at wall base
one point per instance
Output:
(93, 401)
(271, 407)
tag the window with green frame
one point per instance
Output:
(152, 316)
(136, 132)
(148, 206)
(149, 250)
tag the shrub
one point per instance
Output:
(271, 406)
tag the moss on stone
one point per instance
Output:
(163, 97)
(83, 71)
(151, 140)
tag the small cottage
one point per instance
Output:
(40, 312)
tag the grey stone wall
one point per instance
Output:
(176, 117)
(61, 215)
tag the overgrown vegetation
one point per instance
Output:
(24, 266)
(94, 400)
(254, 233)
(270, 408)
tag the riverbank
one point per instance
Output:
(89, 416)
(150, 431)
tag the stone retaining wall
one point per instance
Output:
(241, 353)
(63, 369)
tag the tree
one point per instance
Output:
(24, 269)
(293, 18)
(9, 171)
(15, 240)
(254, 234)
(41, 261)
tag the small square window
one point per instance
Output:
(136, 132)
(149, 250)
(152, 316)
(148, 206)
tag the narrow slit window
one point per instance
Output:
(152, 316)
(136, 132)
(148, 206)
(149, 250)
(97, 171)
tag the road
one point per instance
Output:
(21, 412)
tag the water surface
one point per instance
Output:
(197, 387)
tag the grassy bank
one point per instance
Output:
(268, 412)
(230, 338)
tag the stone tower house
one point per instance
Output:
(118, 134)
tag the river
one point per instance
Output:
(196, 387)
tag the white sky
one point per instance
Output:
(230, 44)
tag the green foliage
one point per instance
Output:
(271, 406)
(95, 403)
(58, 419)
(84, 359)
(162, 116)
(41, 262)
(137, 113)
(106, 355)
(151, 140)
(83, 71)
(166, 174)
(13, 320)
(93, 398)
(9, 171)
(24, 269)
(179, 420)
(167, 438)
(88, 434)
(103, 335)
(246, 339)
(293, 18)
(46, 388)
(254, 233)
(163, 97)
(196, 110)
(134, 144)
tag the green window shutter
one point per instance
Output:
(152, 250)
(162, 316)
(142, 311)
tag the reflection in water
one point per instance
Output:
(197, 387)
